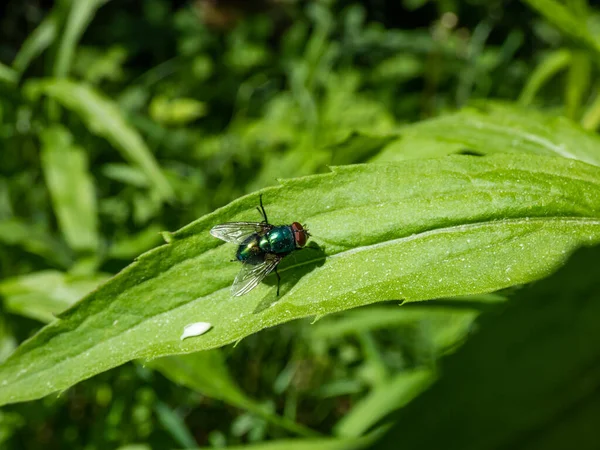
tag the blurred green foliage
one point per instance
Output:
(121, 119)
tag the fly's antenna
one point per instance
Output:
(261, 210)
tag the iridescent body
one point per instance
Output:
(279, 240)
(261, 248)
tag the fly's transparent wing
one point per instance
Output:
(237, 232)
(250, 275)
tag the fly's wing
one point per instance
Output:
(238, 232)
(250, 275)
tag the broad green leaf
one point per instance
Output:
(493, 127)
(566, 21)
(39, 40)
(418, 230)
(527, 379)
(80, 15)
(43, 295)
(546, 69)
(206, 373)
(71, 188)
(103, 118)
(383, 400)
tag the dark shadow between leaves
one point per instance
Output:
(303, 262)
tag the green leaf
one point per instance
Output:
(43, 295)
(440, 326)
(443, 321)
(418, 230)
(359, 147)
(8, 343)
(103, 118)
(71, 188)
(203, 372)
(206, 373)
(8, 75)
(306, 444)
(35, 240)
(39, 40)
(80, 15)
(591, 117)
(550, 66)
(492, 127)
(132, 245)
(176, 111)
(383, 400)
(527, 379)
(578, 82)
(563, 18)
(175, 425)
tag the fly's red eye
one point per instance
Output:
(299, 234)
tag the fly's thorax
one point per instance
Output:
(264, 243)
(250, 251)
(280, 240)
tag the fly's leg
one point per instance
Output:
(261, 210)
(278, 280)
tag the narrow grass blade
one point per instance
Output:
(544, 71)
(8, 75)
(39, 40)
(80, 15)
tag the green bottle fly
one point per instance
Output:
(261, 247)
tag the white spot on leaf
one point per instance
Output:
(195, 329)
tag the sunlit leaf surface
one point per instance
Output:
(413, 231)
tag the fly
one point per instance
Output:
(261, 247)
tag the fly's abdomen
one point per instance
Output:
(281, 239)
(249, 251)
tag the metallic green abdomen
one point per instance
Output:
(279, 240)
(250, 252)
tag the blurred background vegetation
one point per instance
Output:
(119, 119)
